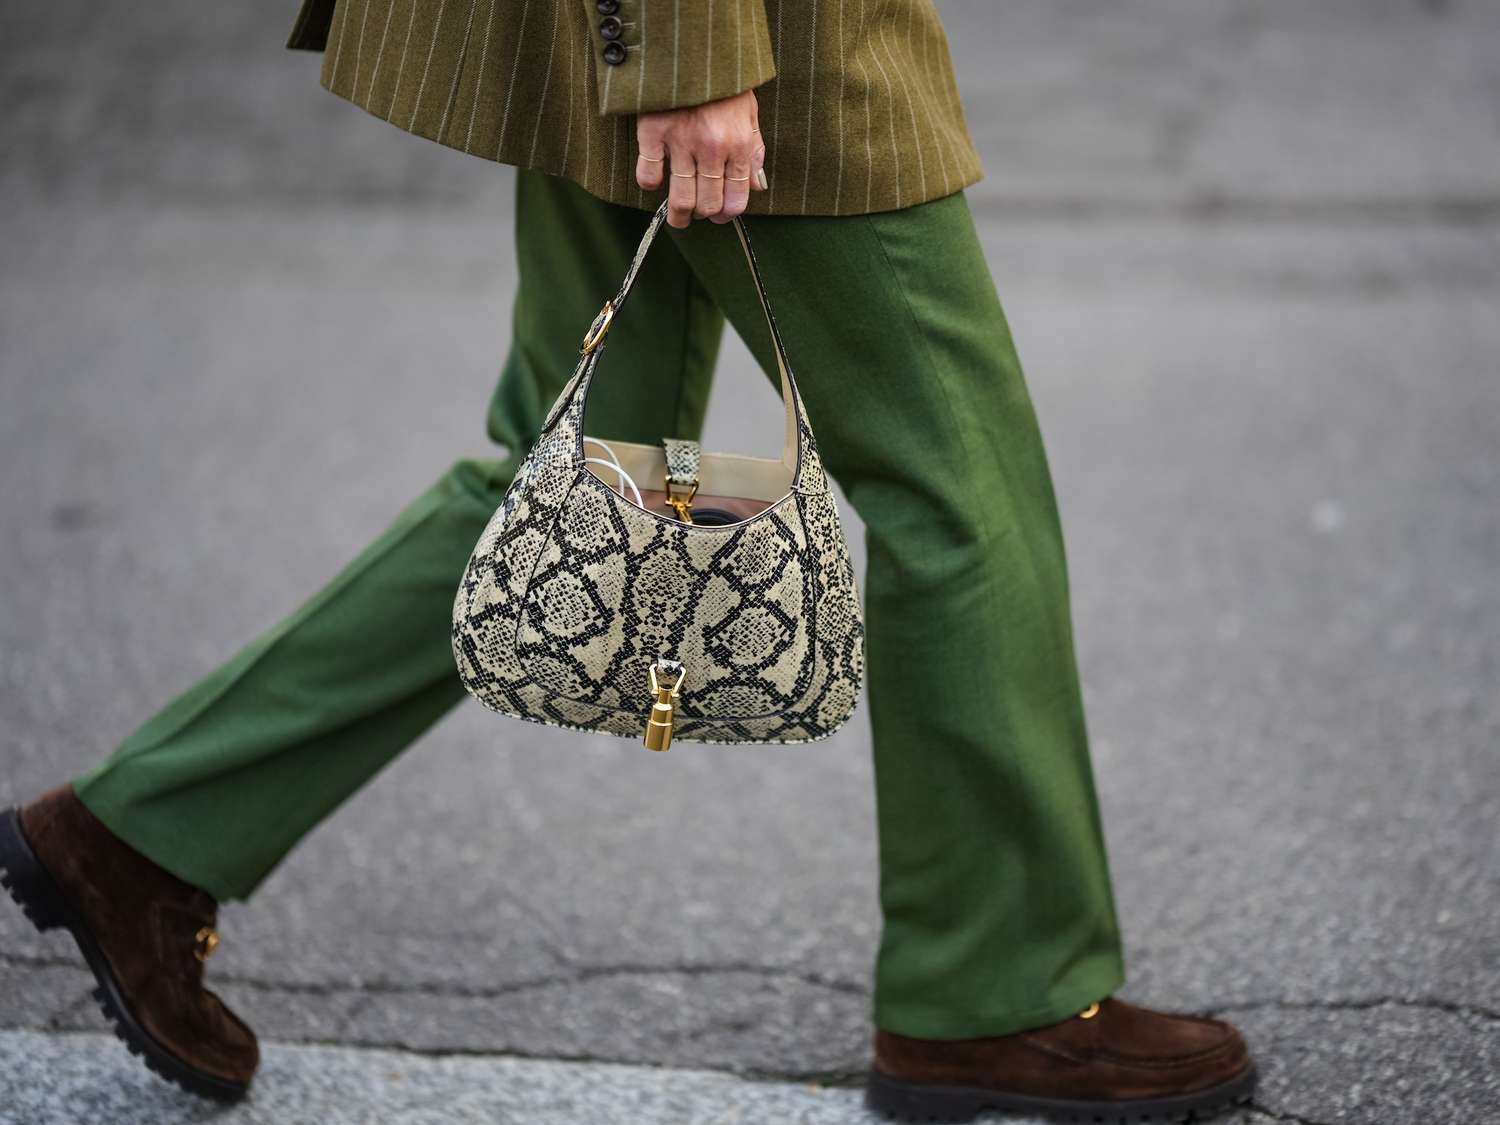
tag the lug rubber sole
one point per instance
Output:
(44, 904)
(952, 1105)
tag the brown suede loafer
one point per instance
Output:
(144, 933)
(1112, 1063)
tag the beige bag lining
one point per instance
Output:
(720, 475)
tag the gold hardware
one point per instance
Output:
(207, 941)
(599, 329)
(659, 721)
(680, 504)
(1090, 1012)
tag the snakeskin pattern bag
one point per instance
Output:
(581, 608)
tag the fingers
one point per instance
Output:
(736, 189)
(709, 158)
(742, 173)
(739, 171)
(682, 194)
(648, 170)
(650, 165)
(710, 186)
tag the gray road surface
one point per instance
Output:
(1251, 254)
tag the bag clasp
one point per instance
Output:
(663, 710)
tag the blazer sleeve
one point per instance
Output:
(310, 32)
(675, 53)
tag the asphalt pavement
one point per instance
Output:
(1250, 251)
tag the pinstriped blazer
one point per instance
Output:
(858, 105)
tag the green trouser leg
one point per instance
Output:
(994, 882)
(221, 784)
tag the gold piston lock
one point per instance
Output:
(663, 709)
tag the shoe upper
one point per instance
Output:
(1119, 1053)
(154, 929)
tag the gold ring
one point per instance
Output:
(599, 329)
(738, 179)
(652, 159)
(686, 175)
(707, 176)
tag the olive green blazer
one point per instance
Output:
(858, 105)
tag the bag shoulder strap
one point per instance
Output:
(593, 339)
(683, 458)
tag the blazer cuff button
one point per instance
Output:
(607, 7)
(614, 53)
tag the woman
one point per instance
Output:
(838, 125)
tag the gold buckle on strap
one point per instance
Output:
(599, 329)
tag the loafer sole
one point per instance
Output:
(41, 899)
(925, 1102)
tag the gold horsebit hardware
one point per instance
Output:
(659, 721)
(1090, 1012)
(679, 504)
(206, 941)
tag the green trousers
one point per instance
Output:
(993, 879)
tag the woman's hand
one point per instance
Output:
(712, 153)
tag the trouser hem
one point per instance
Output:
(917, 1022)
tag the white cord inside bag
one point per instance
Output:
(613, 463)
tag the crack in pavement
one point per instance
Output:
(843, 1077)
(458, 990)
(585, 973)
(829, 1078)
(833, 1079)
(58, 1020)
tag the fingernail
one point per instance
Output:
(760, 179)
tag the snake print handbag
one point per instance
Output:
(582, 608)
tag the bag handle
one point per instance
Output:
(593, 339)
